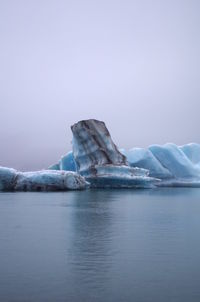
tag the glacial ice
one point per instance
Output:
(45, 180)
(54, 167)
(173, 165)
(143, 158)
(192, 151)
(110, 176)
(7, 178)
(66, 163)
(99, 160)
(92, 145)
(175, 160)
(96, 161)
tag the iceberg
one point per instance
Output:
(45, 180)
(173, 165)
(54, 167)
(192, 151)
(7, 178)
(144, 158)
(66, 163)
(175, 160)
(99, 160)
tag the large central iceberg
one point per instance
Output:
(99, 160)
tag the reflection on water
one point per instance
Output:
(95, 245)
(90, 248)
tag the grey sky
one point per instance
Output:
(133, 64)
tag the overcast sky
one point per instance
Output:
(133, 64)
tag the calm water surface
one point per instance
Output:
(128, 245)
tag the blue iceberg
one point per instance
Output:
(173, 165)
(96, 161)
(66, 163)
(143, 158)
(7, 178)
(97, 158)
(192, 151)
(100, 162)
(45, 180)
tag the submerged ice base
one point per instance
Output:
(110, 176)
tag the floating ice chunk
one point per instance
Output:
(49, 181)
(175, 160)
(46, 180)
(175, 166)
(67, 162)
(110, 176)
(54, 167)
(169, 162)
(7, 178)
(192, 151)
(143, 158)
(99, 160)
(92, 145)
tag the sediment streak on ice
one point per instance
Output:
(99, 160)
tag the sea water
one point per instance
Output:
(100, 245)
